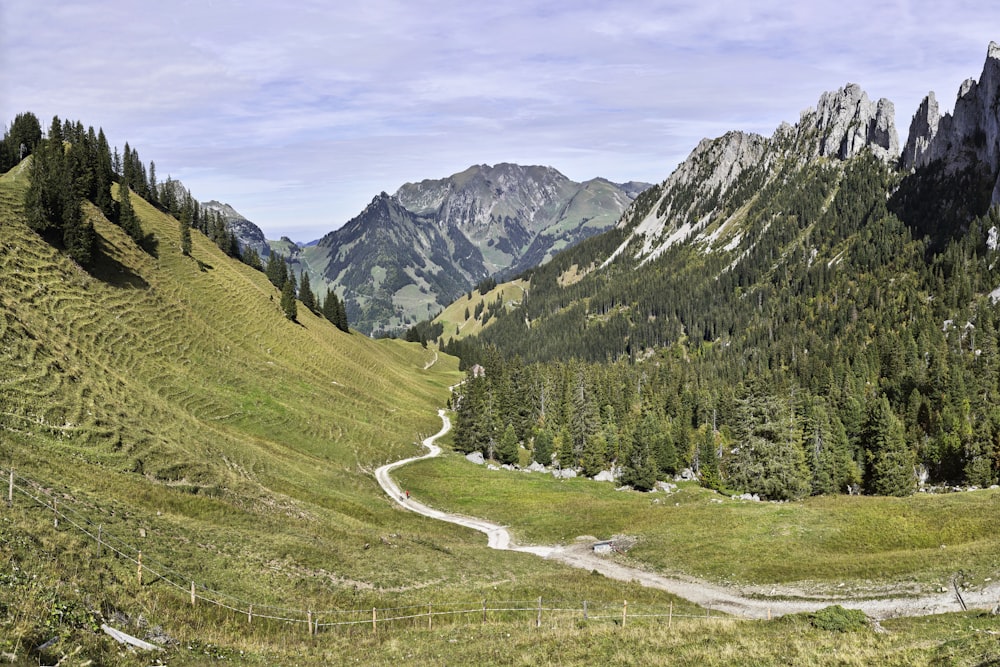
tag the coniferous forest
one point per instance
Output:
(841, 353)
(70, 165)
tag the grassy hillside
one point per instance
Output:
(458, 325)
(167, 400)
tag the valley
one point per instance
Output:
(805, 319)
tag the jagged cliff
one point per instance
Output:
(721, 175)
(969, 137)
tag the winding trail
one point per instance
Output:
(727, 599)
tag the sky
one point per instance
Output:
(298, 114)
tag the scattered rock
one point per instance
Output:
(507, 466)
(490, 466)
(475, 457)
(564, 473)
(686, 475)
(753, 497)
(666, 487)
(604, 476)
(535, 467)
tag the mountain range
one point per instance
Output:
(407, 255)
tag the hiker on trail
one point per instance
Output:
(407, 495)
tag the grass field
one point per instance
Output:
(857, 541)
(167, 400)
(457, 325)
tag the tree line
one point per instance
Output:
(70, 165)
(835, 353)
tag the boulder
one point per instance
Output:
(475, 457)
(535, 467)
(564, 473)
(604, 476)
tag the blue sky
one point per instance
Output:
(299, 113)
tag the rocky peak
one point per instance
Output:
(923, 129)
(847, 122)
(967, 137)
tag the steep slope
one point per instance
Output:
(804, 265)
(954, 158)
(435, 239)
(702, 196)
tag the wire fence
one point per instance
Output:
(150, 570)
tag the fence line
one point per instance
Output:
(369, 616)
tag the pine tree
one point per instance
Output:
(542, 452)
(768, 458)
(185, 230)
(507, 448)
(276, 271)
(127, 218)
(288, 303)
(306, 295)
(889, 461)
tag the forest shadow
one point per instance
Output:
(109, 270)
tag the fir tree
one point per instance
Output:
(288, 303)
(185, 231)
(542, 452)
(306, 295)
(507, 448)
(276, 270)
(889, 461)
(127, 219)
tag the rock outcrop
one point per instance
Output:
(923, 130)
(721, 175)
(967, 137)
(847, 122)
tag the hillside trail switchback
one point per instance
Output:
(731, 600)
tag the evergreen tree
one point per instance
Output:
(542, 452)
(127, 218)
(185, 231)
(889, 469)
(276, 270)
(288, 303)
(768, 458)
(306, 295)
(639, 469)
(507, 448)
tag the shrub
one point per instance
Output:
(837, 619)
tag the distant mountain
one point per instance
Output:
(408, 255)
(247, 233)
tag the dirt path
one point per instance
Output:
(727, 599)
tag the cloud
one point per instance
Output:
(297, 118)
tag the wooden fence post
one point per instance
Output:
(55, 514)
(10, 488)
(192, 594)
(484, 612)
(538, 619)
(769, 613)
(250, 615)
(585, 610)
(374, 620)
(670, 615)
(100, 547)
(429, 617)
(624, 612)
(140, 568)
(309, 620)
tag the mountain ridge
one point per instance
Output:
(409, 254)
